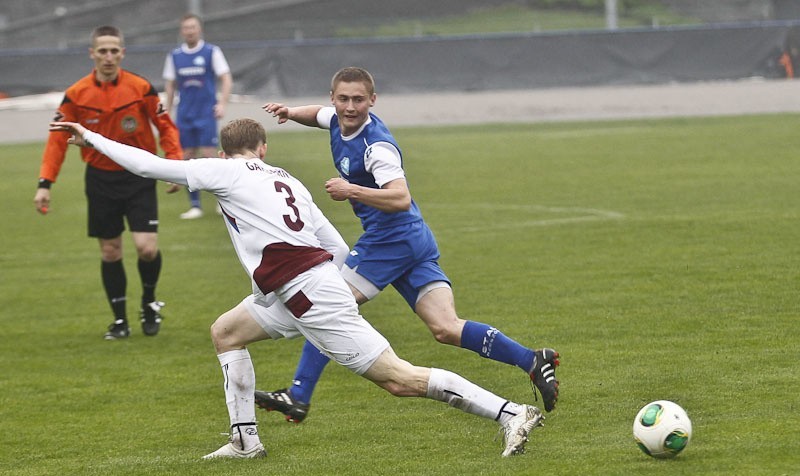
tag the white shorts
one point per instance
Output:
(319, 305)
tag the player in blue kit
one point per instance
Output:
(193, 70)
(397, 246)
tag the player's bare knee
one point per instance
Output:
(449, 335)
(110, 251)
(216, 333)
(221, 337)
(148, 253)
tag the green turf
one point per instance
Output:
(515, 18)
(659, 257)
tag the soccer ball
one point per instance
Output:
(662, 429)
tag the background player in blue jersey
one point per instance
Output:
(193, 71)
(397, 246)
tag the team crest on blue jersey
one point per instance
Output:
(344, 166)
(199, 61)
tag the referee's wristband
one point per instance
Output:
(44, 183)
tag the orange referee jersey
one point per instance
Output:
(121, 110)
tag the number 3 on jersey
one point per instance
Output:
(294, 223)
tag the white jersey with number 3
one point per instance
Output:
(270, 215)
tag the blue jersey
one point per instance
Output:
(349, 158)
(196, 84)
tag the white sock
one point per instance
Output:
(239, 385)
(460, 393)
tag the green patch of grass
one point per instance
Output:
(514, 18)
(657, 256)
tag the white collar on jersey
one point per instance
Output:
(185, 48)
(356, 133)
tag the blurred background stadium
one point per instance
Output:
(291, 47)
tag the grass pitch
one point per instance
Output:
(659, 257)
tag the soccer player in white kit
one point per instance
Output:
(292, 254)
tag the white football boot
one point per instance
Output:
(230, 451)
(518, 428)
(192, 214)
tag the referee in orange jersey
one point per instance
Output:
(124, 107)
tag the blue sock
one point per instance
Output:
(488, 342)
(309, 369)
(194, 199)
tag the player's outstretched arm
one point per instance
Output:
(305, 115)
(136, 160)
(73, 128)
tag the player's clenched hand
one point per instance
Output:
(338, 188)
(277, 110)
(42, 200)
(74, 128)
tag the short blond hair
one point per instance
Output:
(353, 74)
(242, 135)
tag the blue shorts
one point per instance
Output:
(198, 133)
(405, 256)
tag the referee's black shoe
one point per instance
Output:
(151, 317)
(118, 330)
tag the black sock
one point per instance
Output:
(149, 271)
(115, 283)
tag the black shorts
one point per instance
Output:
(112, 196)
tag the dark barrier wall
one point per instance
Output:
(525, 61)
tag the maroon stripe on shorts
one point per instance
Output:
(298, 304)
